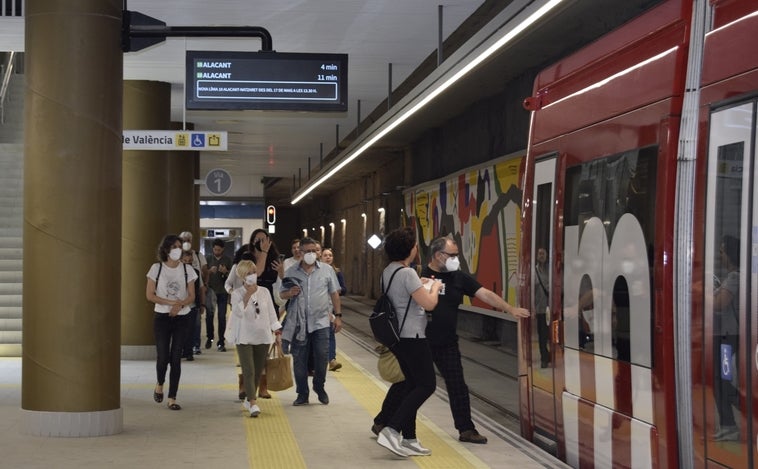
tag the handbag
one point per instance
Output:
(278, 368)
(388, 366)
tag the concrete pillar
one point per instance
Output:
(147, 105)
(71, 371)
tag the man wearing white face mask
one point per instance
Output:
(444, 265)
(309, 320)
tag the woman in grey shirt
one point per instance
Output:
(410, 296)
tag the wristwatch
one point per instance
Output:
(337, 315)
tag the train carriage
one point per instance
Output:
(639, 190)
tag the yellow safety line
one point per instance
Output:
(270, 440)
(370, 392)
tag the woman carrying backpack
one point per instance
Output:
(410, 296)
(171, 286)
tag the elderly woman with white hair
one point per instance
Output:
(250, 328)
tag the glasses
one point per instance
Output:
(308, 251)
(450, 254)
(257, 309)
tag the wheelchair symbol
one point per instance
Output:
(198, 140)
(726, 361)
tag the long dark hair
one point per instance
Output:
(273, 252)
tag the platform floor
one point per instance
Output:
(213, 431)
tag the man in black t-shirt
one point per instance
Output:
(441, 330)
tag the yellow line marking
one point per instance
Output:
(270, 440)
(370, 392)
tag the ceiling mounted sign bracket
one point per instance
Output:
(139, 31)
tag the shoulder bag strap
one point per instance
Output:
(409, 299)
(539, 279)
(391, 277)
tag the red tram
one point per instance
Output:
(640, 244)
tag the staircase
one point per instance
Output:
(11, 219)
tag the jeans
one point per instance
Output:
(221, 300)
(169, 339)
(318, 341)
(332, 344)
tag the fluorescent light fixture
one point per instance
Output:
(343, 221)
(381, 210)
(404, 114)
(331, 225)
(374, 241)
(363, 215)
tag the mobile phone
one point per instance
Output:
(281, 257)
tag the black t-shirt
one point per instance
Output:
(441, 330)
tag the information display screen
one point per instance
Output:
(266, 80)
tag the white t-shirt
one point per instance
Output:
(172, 284)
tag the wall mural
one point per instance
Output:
(481, 207)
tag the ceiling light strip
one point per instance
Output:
(407, 109)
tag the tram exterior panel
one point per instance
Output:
(600, 192)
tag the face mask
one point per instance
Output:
(452, 264)
(187, 246)
(251, 279)
(309, 258)
(175, 254)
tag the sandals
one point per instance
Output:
(174, 406)
(158, 396)
(264, 396)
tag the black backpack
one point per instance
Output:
(383, 319)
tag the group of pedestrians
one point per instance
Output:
(259, 280)
(252, 285)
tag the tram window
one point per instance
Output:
(616, 322)
(610, 187)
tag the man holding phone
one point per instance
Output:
(219, 266)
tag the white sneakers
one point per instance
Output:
(390, 439)
(413, 447)
(253, 409)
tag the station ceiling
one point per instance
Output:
(279, 146)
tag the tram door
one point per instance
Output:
(541, 346)
(730, 288)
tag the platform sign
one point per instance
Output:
(266, 81)
(173, 140)
(218, 181)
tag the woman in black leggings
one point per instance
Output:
(410, 296)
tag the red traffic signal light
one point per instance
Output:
(270, 215)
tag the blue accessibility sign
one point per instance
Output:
(726, 362)
(198, 140)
